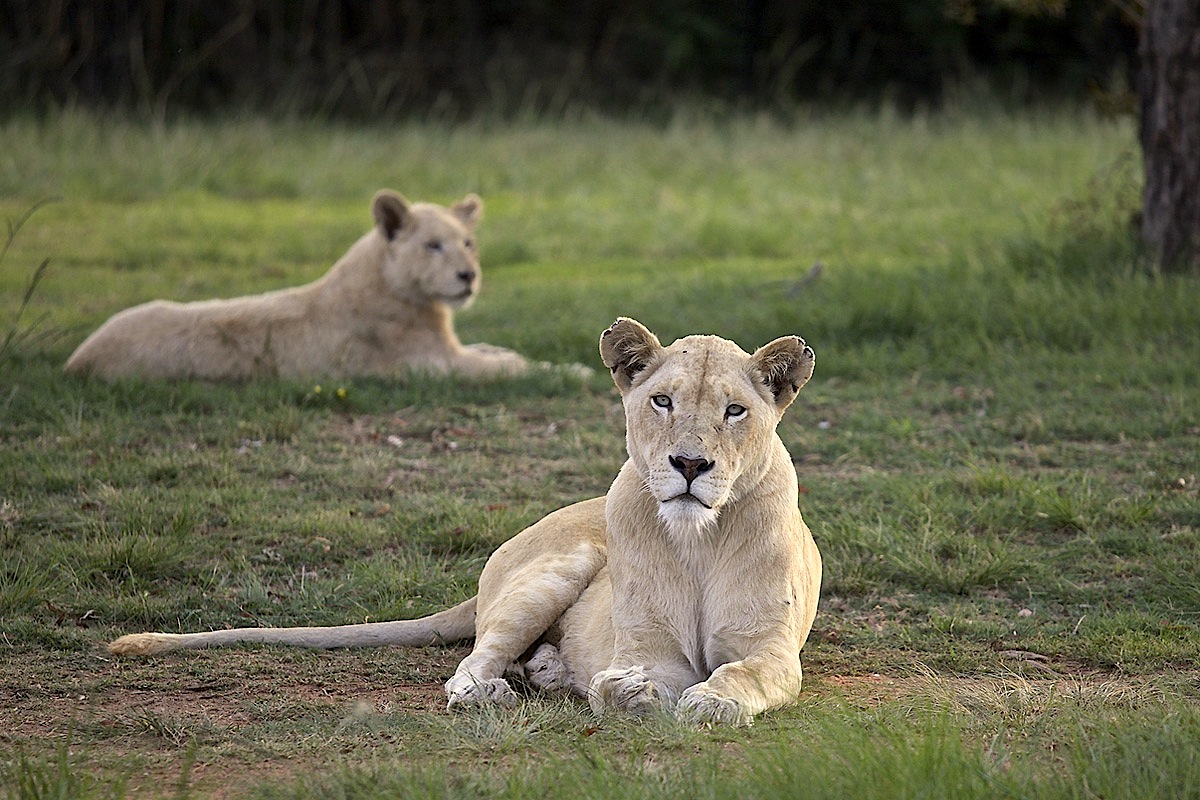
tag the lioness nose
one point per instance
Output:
(466, 275)
(690, 468)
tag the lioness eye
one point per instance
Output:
(733, 411)
(469, 244)
(433, 246)
(661, 400)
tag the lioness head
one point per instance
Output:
(701, 414)
(431, 249)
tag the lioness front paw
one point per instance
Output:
(628, 690)
(699, 705)
(465, 691)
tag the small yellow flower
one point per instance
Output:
(341, 393)
(317, 389)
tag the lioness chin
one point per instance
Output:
(385, 308)
(692, 585)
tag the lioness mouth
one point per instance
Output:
(689, 496)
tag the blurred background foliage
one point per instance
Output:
(392, 59)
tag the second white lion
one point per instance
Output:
(385, 308)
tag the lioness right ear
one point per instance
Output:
(784, 365)
(469, 210)
(390, 210)
(627, 348)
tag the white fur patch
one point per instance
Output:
(686, 519)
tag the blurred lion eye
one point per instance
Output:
(661, 400)
(734, 411)
(433, 246)
(469, 244)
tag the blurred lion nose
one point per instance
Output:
(466, 275)
(690, 468)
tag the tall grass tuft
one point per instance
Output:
(21, 336)
(23, 777)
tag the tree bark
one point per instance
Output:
(1169, 96)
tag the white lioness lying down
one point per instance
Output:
(692, 585)
(383, 309)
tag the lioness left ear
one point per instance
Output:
(627, 348)
(784, 366)
(469, 210)
(390, 210)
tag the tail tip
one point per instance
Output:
(140, 644)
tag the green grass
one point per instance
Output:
(999, 455)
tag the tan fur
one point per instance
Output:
(692, 585)
(384, 308)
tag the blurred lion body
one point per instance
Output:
(384, 308)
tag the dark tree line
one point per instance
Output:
(388, 59)
(372, 58)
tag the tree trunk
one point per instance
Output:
(1169, 90)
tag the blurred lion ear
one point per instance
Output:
(390, 210)
(627, 348)
(469, 210)
(784, 366)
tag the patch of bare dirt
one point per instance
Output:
(139, 720)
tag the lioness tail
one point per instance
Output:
(451, 625)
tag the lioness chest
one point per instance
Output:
(722, 611)
(706, 604)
